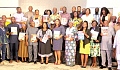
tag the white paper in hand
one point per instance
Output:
(45, 38)
(14, 30)
(56, 34)
(21, 36)
(80, 35)
(37, 23)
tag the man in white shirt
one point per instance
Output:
(18, 16)
(97, 15)
(116, 45)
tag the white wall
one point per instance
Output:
(49, 4)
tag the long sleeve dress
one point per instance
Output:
(70, 46)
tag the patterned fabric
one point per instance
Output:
(94, 49)
(70, 48)
(77, 21)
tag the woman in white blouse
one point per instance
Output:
(88, 17)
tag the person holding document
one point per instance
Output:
(3, 41)
(116, 45)
(23, 49)
(58, 32)
(106, 45)
(44, 35)
(70, 44)
(31, 41)
(95, 42)
(85, 44)
(12, 31)
(37, 19)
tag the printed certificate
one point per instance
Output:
(64, 21)
(104, 30)
(45, 38)
(33, 37)
(80, 35)
(45, 18)
(56, 34)
(37, 23)
(14, 30)
(21, 36)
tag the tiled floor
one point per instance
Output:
(38, 66)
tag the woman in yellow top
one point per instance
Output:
(37, 19)
(85, 44)
(76, 19)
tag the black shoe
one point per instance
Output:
(102, 67)
(109, 68)
(29, 61)
(35, 62)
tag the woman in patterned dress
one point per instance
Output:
(95, 44)
(70, 44)
(76, 19)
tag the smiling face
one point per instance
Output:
(70, 24)
(37, 12)
(94, 24)
(84, 25)
(87, 11)
(75, 14)
(44, 25)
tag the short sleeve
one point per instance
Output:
(62, 30)
(27, 31)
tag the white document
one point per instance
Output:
(80, 35)
(63, 21)
(118, 56)
(60, 12)
(21, 36)
(24, 19)
(14, 30)
(33, 37)
(56, 34)
(104, 30)
(94, 34)
(45, 18)
(37, 23)
(45, 38)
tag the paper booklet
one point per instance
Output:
(33, 37)
(56, 34)
(60, 12)
(21, 36)
(94, 34)
(14, 30)
(37, 23)
(24, 19)
(104, 30)
(80, 35)
(64, 21)
(45, 38)
(45, 18)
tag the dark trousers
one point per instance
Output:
(14, 50)
(3, 48)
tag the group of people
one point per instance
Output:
(29, 35)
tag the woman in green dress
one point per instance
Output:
(95, 43)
